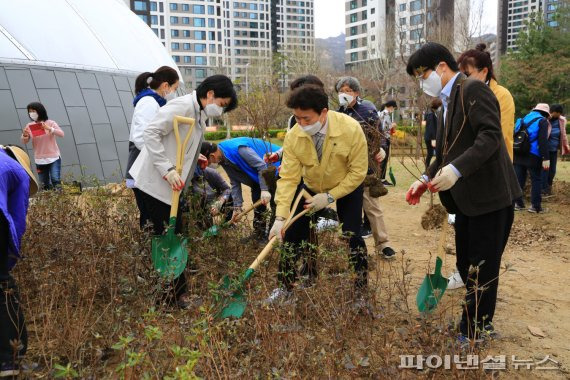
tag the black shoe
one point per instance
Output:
(385, 182)
(389, 253)
(365, 232)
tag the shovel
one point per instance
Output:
(215, 229)
(434, 285)
(390, 173)
(234, 304)
(169, 253)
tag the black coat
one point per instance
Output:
(474, 144)
(431, 127)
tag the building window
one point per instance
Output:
(200, 22)
(200, 35)
(186, 20)
(402, 21)
(415, 35)
(153, 6)
(174, 46)
(353, 44)
(403, 7)
(186, 46)
(144, 18)
(185, 7)
(373, 24)
(174, 33)
(155, 30)
(212, 36)
(200, 48)
(353, 57)
(353, 30)
(187, 59)
(200, 73)
(173, 20)
(200, 60)
(186, 33)
(140, 6)
(353, 4)
(211, 10)
(373, 11)
(173, 6)
(415, 5)
(211, 23)
(416, 19)
(154, 19)
(373, 38)
(198, 9)
(353, 17)
(176, 58)
(364, 15)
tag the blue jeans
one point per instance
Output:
(50, 175)
(548, 175)
(536, 184)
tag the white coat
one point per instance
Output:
(159, 152)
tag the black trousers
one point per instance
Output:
(159, 214)
(349, 209)
(144, 216)
(384, 164)
(480, 241)
(12, 324)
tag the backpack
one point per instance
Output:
(521, 140)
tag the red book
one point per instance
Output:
(37, 129)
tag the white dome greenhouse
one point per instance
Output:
(79, 58)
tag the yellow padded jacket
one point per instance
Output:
(507, 107)
(343, 165)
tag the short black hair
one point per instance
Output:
(429, 56)
(391, 103)
(306, 79)
(557, 108)
(223, 88)
(308, 97)
(208, 148)
(40, 109)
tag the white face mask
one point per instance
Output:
(213, 110)
(312, 129)
(170, 96)
(345, 99)
(33, 116)
(432, 85)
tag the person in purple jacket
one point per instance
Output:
(17, 183)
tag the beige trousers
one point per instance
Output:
(374, 213)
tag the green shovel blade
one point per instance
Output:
(169, 253)
(392, 178)
(234, 304)
(432, 289)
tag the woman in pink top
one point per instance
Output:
(43, 131)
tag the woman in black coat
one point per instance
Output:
(431, 128)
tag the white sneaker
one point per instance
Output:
(454, 281)
(278, 295)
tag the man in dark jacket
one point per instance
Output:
(474, 176)
(431, 128)
(537, 159)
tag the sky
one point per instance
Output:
(329, 17)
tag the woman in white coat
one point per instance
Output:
(154, 172)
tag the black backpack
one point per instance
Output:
(521, 141)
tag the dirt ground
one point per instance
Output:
(532, 293)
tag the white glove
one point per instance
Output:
(174, 180)
(276, 230)
(433, 143)
(444, 179)
(380, 156)
(217, 206)
(318, 202)
(265, 197)
(546, 164)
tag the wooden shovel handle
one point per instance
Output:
(180, 149)
(442, 237)
(269, 247)
(246, 211)
(290, 220)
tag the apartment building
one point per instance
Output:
(222, 36)
(378, 28)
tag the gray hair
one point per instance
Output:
(351, 82)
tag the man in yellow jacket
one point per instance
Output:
(327, 151)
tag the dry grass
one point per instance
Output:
(90, 302)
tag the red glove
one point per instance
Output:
(202, 161)
(415, 192)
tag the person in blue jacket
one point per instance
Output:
(537, 159)
(17, 184)
(243, 160)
